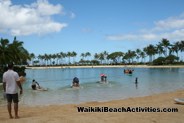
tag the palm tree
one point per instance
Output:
(138, 51)
(181, 46)
(150, 51)
(32, 56)
(105, 56)
(142, 55)
(19, 54)
(101, 57)
(83, 55)
(165, 43)
(4, 52)
(13, 52)
(130, 55)
(160, 49)
(50, 59)
(96, 56)
(53, 56)
(69, 54)
(63, 55)
(58, 56)
(41, 57)
(175, 48)
(74, 54)
(112, 56)
(46, 58)
(87, 54)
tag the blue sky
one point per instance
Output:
(52, 26)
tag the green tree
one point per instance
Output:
(32, 57)
(83, 55)
(63, 55)
(165, 43)
(105, 56)
(69, 54)
(74, 54)
(96, 56)
(150, 51)
(142, 55)
(4, 52)
(101, 57)
(13, 52)
(130, 55)
(87, 54)
(138, 51)
(181, 46)
(115, 57)
(160, 49)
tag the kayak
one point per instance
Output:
(179, 100)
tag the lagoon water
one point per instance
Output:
(119, 86)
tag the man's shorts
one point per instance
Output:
(13, 97)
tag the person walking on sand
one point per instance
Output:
(10, 85)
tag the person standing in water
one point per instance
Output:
(103, 77)
(136, 82)
(75, 82)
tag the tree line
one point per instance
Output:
(162, 53)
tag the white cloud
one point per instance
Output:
(171, 28)
(121, 37)
(169, 24)
(29, 19)
(44, 8)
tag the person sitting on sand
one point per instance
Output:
(34, 83)
(75, 82)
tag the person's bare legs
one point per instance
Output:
(9, 110)
(16, 110)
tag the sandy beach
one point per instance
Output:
(69, 113)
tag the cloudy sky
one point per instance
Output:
(52, 26)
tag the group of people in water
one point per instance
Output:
(75, 83)
(36, 86)
(128, 71)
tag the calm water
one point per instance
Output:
(119, 86)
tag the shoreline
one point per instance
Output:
(68, 112)
(109, 66)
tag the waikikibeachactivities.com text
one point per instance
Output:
(125, 109)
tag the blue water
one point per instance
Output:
(119, 86)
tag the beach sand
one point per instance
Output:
(69, 114)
